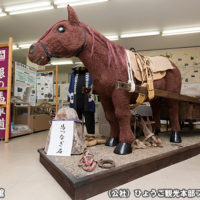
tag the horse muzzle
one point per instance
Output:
(32, 49)
(36, 55)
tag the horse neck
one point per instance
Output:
(91, 60)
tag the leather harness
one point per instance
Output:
(144, 64)
(148, 82)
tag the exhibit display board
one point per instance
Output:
(25, 83)
(45, 85)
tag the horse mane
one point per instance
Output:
(114, 50)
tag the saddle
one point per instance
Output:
(146, 70)
(158, 66)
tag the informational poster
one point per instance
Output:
(25, 83)
(61, 138)
(45, 85)
(192, 89)
(3, 83)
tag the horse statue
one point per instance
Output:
(107, 63)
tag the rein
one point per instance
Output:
(77, 52)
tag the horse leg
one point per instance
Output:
(173, 110)
(155, 106)
(121, 100)
(114, 127)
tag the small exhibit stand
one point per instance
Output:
(38, 117)
(5, 88)
(23, 97)
(21, 128)
(29, 86)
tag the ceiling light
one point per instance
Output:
(31, 10)
(27, 6)
(24, 46)
(181, 31)
(2, 13)
(112, 37)
(63, 3)
(128, 35)
(15, 47)
(63, 62)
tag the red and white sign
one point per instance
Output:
(4, 51)
(2, 55)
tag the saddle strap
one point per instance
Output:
(150, 87)
(140, 64)
(141, 98)
(130, 73)
(144, 66)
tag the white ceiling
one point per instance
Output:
(113, 17)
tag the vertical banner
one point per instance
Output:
(4, 51)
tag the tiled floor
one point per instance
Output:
(24, 178)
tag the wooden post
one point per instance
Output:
(9, 90)
(56, 88)
(29, 115)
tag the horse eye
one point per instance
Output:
(61, 29)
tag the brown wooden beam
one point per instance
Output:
(56, 89)
(159, 93)
(4, 45)
(8, 105)
(3, 88)
(46, 70)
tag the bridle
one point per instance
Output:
(50, 55)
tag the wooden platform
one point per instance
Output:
(90, 185)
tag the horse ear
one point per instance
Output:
(72, 17)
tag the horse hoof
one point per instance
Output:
(156, 131)
(175, 137)
(111, 142)
(123, 148)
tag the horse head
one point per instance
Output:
(66, 38)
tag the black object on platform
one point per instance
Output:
(123, 148)
(111, 142)
(156, 131)
(175, 137)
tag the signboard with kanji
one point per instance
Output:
(4, 51)
(61, 138)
